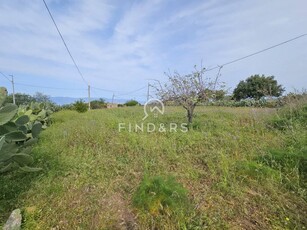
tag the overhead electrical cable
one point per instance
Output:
(5, 76)
(119, 92)
(131, 92)
(255, 53)
(46, 87)
(73, 60)
(106, 90)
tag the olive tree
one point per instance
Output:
(257, 86)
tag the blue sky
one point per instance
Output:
(119, 45)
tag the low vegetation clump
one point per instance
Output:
(164, 199)
(159, 195)
(292, 115)
(249, 102)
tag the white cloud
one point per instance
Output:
(118, 45)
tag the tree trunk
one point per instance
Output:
(190, 112)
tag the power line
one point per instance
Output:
(65, 43)
(106, 90)
(59, 88)
(45, 87)
(255, 53)
(5, 77)
(138, 95)
(128, 93)
(119, 92)
(132, 91)
(131, 95)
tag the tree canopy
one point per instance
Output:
(257, 86)
(187, 90)
(98, 104)
(131, 103)
(41, 98)
(20, 98)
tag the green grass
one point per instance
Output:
(237, 170)
(162, 197)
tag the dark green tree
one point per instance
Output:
(20, 99)
(131, 103)
(257, 86)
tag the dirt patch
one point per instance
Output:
(118, 215)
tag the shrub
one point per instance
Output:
(80, 106)
(294, 113)
(159, 195)
(98, 104)
(131, 103)
(67, 107)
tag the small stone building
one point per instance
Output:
(112, 105)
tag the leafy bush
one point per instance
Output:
(98, 104)
(67, 107)
(80, 106)
(159, 195)
(131, 103)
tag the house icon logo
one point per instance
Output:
(153, 106)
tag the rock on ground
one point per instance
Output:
(14, 221)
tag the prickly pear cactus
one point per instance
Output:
(15, 138)
(3, 94)
(37, 112)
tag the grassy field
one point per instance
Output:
(238, 171)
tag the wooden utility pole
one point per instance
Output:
(112, 98)
(13, 87)
(89, 96)
(148, 91)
